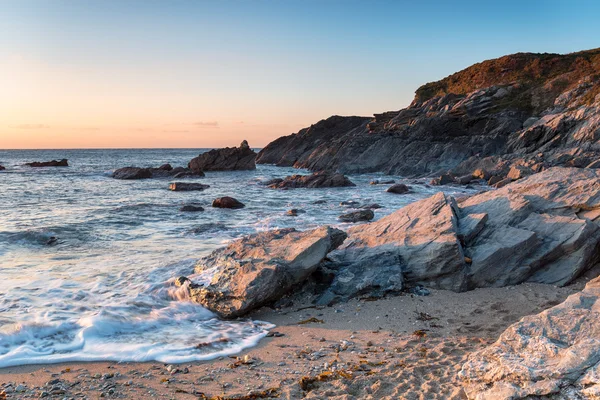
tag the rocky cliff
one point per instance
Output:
(525, 109)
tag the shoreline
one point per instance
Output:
(403, 346)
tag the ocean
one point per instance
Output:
(104, 290)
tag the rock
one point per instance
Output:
(294, 212)
(373, 206)
(317, 180)
(481, 174)
(464, 180)
(191, 208)
(226, 159)
(554, 354)
(2, 168)
(273, 181)
(132, 173)
(186, 186)
(420, 239)
(398, 188)
(357, 216)
(378, 182)
(542, 229)
(166, 167)
(53, 163)
(495, 179)
(227, 202)
(594, 164)
(502, 183)
(460, 121)
(518, 171)
(320, 202)
(260, 268)
(444, 179)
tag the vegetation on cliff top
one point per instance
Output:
(531, 69)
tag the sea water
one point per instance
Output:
(104, 290)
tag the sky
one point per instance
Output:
(175, 73)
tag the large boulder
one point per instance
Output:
(539, 229)
(226, 159)
(551, 355)
(53, 163)
(320, 179)
(260, 268)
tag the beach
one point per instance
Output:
(407, 346)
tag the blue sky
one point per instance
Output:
(217, 72)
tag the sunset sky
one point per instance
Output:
(147, 73)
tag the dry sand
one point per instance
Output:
(402, 347)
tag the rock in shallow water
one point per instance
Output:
(555, 354)
(186, 186)
(129, 173)
(226, 159)
(53, 163)
(398, 188)
(317, 180)
(357, 216)
(260, 268)
(227, 202)
(191, 208)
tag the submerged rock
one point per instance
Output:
(191, 208)
(554, 354)
(294, 212)
(357, 216)
(227, 202)
(186, 186)
(53, 163)
(226, 159)
(317, 180)
(2, 168)
(260, 268)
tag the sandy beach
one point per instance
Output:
(407, 346)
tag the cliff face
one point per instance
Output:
(533, 109)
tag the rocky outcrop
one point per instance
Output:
(552, 355)
(540, 229)
(164, 171)
(317, 180)
(227, 202)
(54, 163)
(260, 268)
(187, 186)
(542, 110)
(226, 159)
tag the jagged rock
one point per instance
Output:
(227, 202)
(317, 180)
(472, 117)
(538, 229)
(398, 188)
(495, 179)
(226, 159)
(420, 238)
(132, 173)
(53, 163)
(186, 186)
(357, 216)
(552, 355)
(594, 164)
(518, 171)
(191, 208)
(260, 268)
(481, 174)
